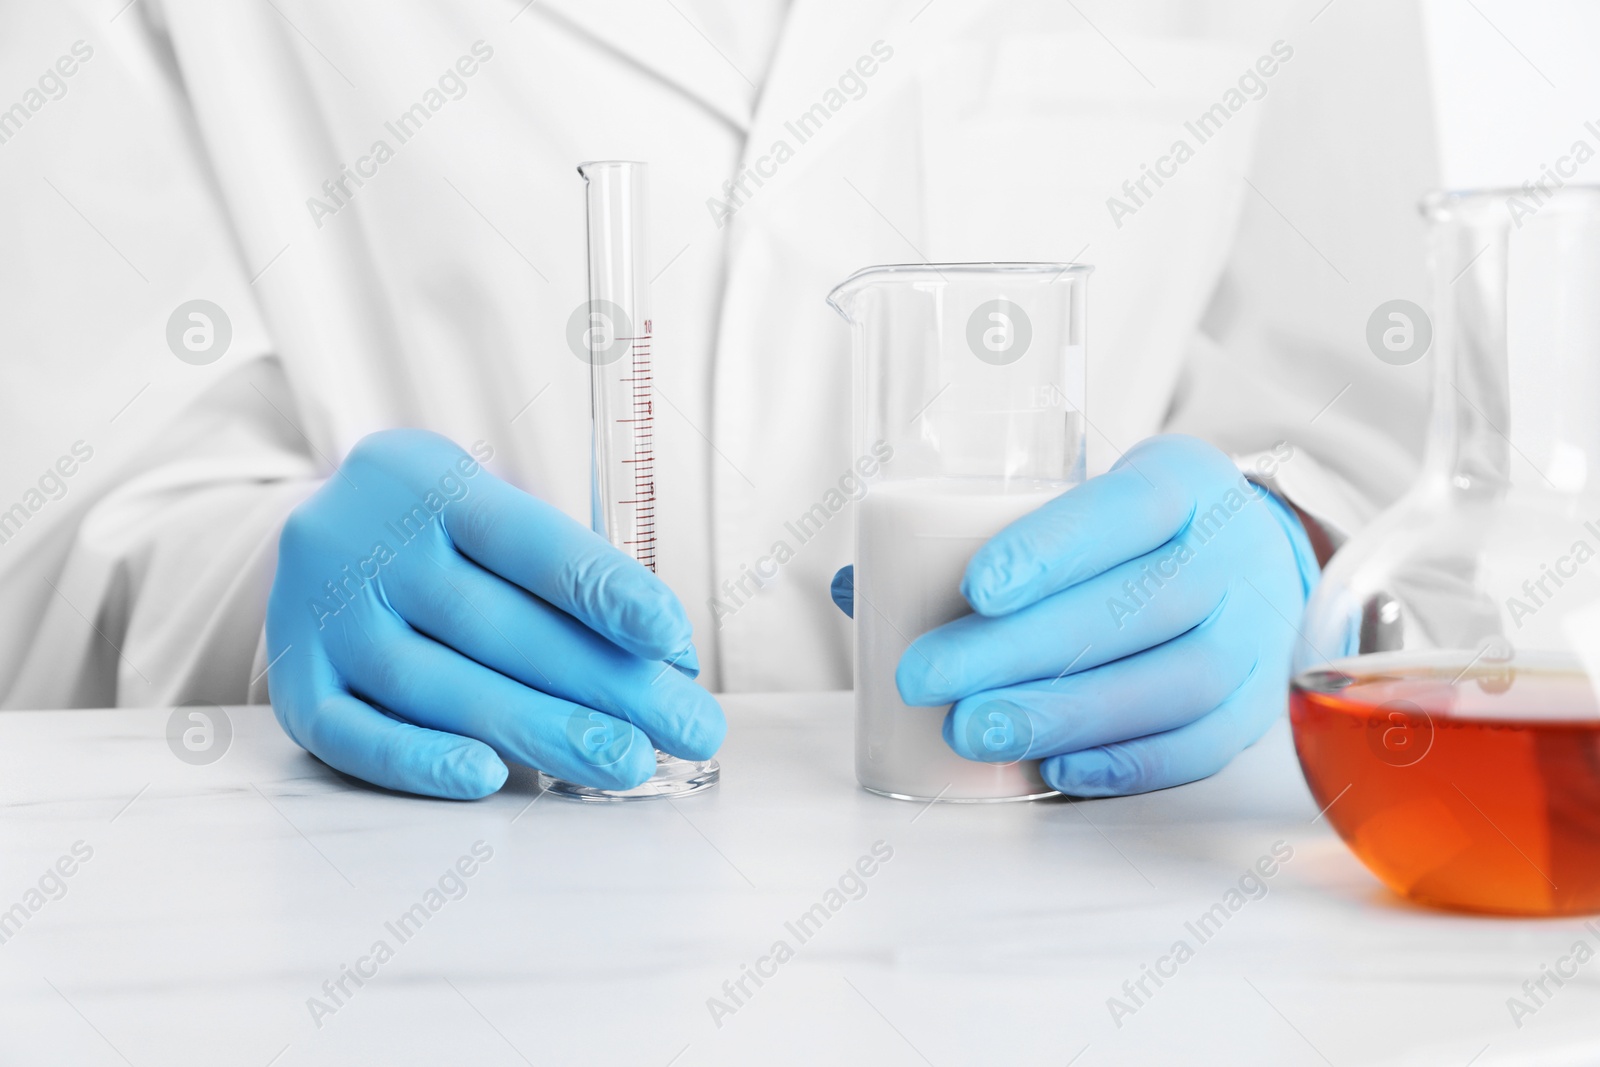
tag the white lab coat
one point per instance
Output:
(182, 159)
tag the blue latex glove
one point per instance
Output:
(429, 622)
(1128, 633)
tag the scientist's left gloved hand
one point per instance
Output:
(430, 624)
(1135, 631)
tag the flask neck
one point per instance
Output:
(1469, 449)
(1517, 342)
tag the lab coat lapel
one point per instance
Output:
(818, 36)
(663, 40)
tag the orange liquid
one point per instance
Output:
(1478, 791)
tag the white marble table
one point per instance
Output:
(218, 899)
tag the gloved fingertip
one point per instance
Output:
(989, 730)
(957, 732)
(636, 765)
(691, 725)
(843, 590)
(1094, 772)
(686, 661)
(916, 680)
(654, 626)
(706, 733)
(470, 771)
(611, 753)
(981, 593)
(673, 624)
(994, 584)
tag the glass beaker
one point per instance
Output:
(1443, 702)
(969, 401)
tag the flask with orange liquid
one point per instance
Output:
(1444, 697)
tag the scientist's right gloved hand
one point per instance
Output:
(429, 622)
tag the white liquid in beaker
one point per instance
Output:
(914, 539)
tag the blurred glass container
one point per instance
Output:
(1443, 701)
